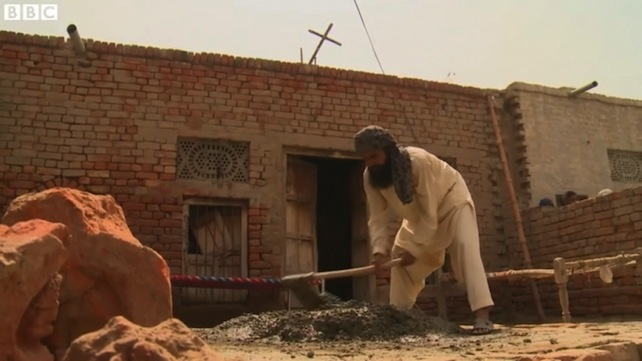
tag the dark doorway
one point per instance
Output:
(334, 216)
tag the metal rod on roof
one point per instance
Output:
(583, 89)
(76, 41)
(78, 46)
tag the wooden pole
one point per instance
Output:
(506, 275)
(561, 280)
(516, 213)
(442, 307)
(604, 261)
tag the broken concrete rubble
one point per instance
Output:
(31, 254)
(120, 339)
(108, 271)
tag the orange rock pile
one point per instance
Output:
(69, 264)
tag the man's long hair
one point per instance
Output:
(380, 176)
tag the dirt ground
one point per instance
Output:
(522, 342)
(508, 343)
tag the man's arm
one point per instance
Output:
(379, 218)
(428, 202)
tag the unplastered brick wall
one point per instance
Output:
(112, 128)
(514, 140)
(597, 227)
(565, 140)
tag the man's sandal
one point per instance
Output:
(482, 327)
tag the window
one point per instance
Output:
(207, 159)
(625, 166)
(215, 245)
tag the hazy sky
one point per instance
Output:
(485, 43)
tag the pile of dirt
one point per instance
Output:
(345, 321)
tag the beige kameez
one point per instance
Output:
(441, 218)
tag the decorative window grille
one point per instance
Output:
(208, 159)
(625, 166)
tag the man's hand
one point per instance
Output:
(378, 260)
(407, 259)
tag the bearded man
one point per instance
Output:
(438, 216)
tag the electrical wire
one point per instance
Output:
(365, 27)
(374, 51)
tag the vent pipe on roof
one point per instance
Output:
(78, 45)
(583, 89)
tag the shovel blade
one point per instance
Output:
(307, 294)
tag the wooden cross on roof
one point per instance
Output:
(323, 37)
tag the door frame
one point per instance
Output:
(320, 153)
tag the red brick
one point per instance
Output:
(126, 126)
(260, 265)
(611, 233)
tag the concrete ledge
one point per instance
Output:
(563, 93)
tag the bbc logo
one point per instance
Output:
(30, 12)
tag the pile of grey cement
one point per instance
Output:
(345, 321)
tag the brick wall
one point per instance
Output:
(112, 128)
(597, 227)
(564, 140)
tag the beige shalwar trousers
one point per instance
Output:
(407, 282)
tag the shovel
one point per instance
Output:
(308, 294)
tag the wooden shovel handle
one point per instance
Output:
(354, 272)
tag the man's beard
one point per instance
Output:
(380, 176)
